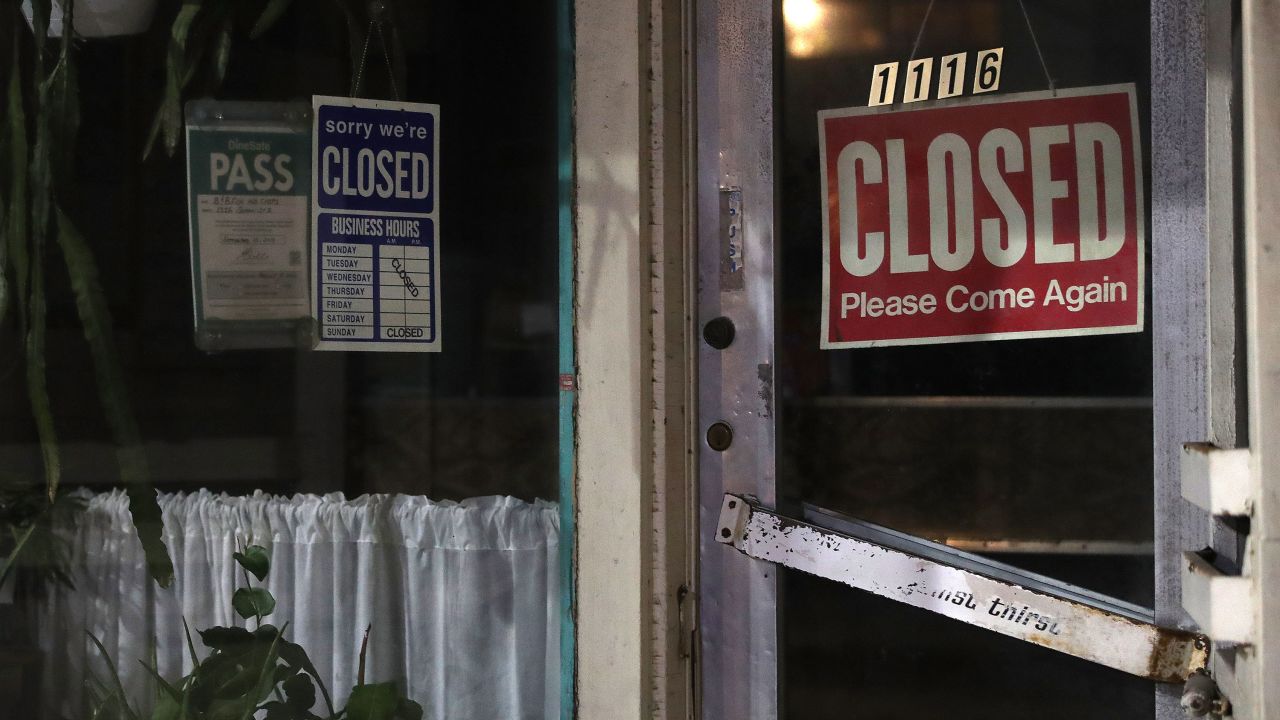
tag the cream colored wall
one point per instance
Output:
(635, 494)
(612, 400)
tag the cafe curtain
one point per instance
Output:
(462, 598)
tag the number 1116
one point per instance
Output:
(918, 83)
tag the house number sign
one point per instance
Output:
(918, 84)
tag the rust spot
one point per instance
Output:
(1172, 655)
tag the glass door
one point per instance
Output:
(1006, 415)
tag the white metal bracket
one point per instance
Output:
(1221, 604)
(965, 587)
(1217, 479)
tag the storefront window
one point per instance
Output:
(405, 503)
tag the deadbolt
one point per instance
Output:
(719, 333)
(719, 436)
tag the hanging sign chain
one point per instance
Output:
(920, 33)
(1035, 41)
(386, 56)
(377, 11)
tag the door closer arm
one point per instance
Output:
(966, 587)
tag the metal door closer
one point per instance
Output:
(978, 591)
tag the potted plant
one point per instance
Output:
(248, 672)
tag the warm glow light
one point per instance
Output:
(800, 46)
(801, 15)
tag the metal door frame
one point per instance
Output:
(737, 597)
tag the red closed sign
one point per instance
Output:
(1018, 216)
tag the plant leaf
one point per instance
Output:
(191, 648)
(378, 701)
(277, 710)
(255, 559)
(364, 648)
(64, 103)
(410, 710)
(11, 561)
(16, 224)
(168, 120)
(167, 708)
(115, 677)
(232, 639)
(270, 15)
(222, 52)
(381, 701)
(300, 692)
(253, 602)
(40, 13)
(4, 263)
(41, 185)
(95, 317)
(266, 676)
(37, 380)
(5, 163)
(296, 656)
(168, 689)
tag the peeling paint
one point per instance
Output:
(764, 371)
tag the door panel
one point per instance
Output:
(1038, 451)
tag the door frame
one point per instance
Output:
(658, 113)
(1196, 321)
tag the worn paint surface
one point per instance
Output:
(1113, 640)
(567, 364)
(737, 645)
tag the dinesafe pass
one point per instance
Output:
(1019, 216)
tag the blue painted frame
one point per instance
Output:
(568, 357)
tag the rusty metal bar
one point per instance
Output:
(965, 587)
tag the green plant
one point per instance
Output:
(201, 36)
(37, 147)
(32, 543)
(200, 41)
(251, 672)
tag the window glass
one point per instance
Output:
(1037, 451)
(406, 503)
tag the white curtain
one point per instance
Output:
(463, 598)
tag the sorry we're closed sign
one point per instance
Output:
(1018, 216)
